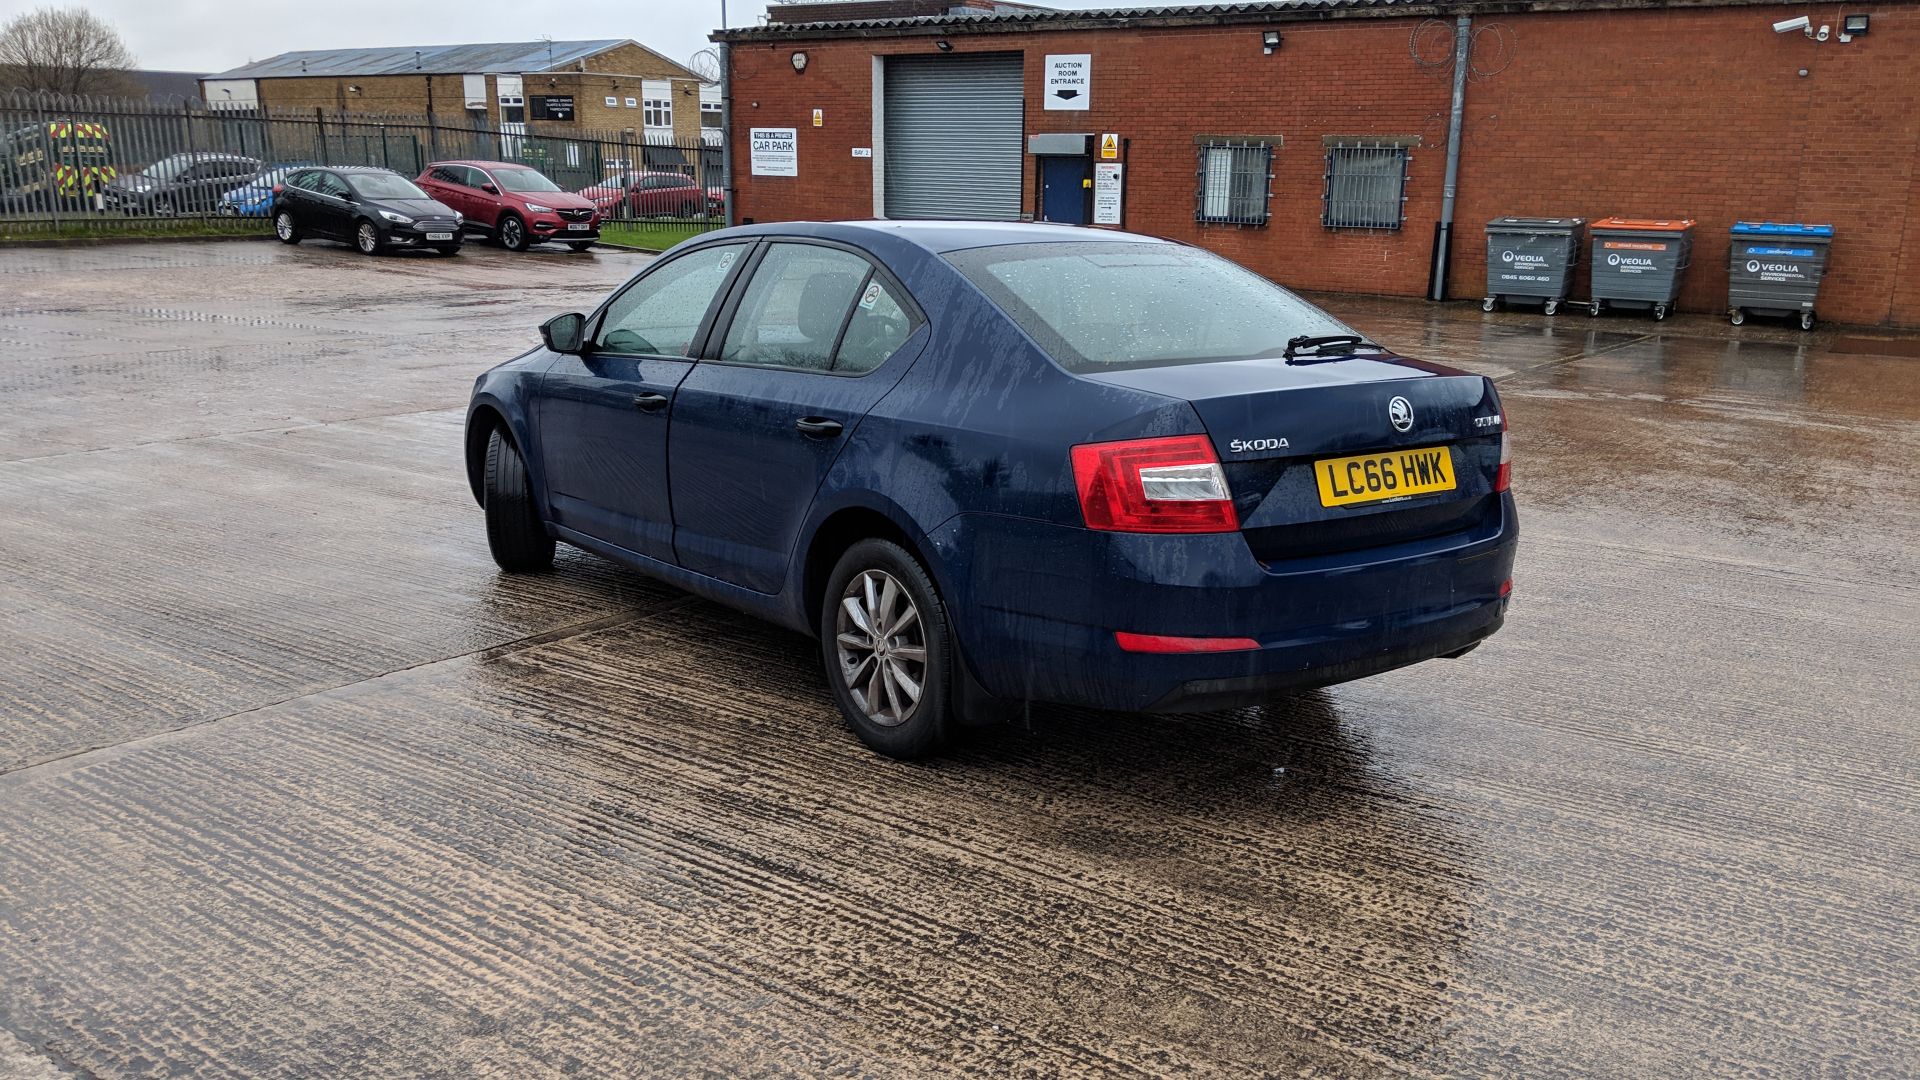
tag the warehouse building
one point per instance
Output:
(1309, 139)
(608, 86)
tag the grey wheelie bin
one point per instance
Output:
(1531, 259)
(1637, 263)
(1775, 269)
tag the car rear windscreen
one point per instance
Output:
(1102, 305)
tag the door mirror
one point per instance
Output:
(565, 333)
(489, 189)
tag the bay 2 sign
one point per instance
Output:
(775, 151)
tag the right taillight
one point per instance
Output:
(1167, 485)
(1503, 477)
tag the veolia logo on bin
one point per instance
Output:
(1512, 256)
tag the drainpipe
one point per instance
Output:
(1443, 229)
(726, 119)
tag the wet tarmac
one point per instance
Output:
(293, 783)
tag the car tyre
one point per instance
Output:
(366, 237)
(873, 669)
(515, 534)
(285, 227)
(513, 233)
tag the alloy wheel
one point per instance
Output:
(511, 232)
(369, 240)
(283, 226)
(882, 647)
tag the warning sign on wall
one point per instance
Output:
(1109, 148)
(1106, 193)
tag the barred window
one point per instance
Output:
(1234, 182)
(1366, 186)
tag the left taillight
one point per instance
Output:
(1165, 485)
(276, 189)
(1503, 477)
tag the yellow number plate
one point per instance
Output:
(1392, 475)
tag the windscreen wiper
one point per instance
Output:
(1305, 349)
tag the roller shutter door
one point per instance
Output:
(953, 143)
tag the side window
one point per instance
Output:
(444, 174)
(659, 314)
(475, 177)
(879, 326)
(329, 184)
(795, 306)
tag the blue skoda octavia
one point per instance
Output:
(989, 464)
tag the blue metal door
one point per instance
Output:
(1063, 189)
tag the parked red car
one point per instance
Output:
(649, 194)
(512, 203)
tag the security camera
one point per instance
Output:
(1823, 34)
(1802, 24)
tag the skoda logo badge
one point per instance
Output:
(1400, 411)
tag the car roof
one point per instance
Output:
(353, 168)
(941, 237)
(483, 164)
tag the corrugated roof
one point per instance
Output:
(1187, 15)
(513, 56)
(1014, 17)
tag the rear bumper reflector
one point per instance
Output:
(1166, 643)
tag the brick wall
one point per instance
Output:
(1697, 112)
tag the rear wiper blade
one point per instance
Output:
(1312, 345)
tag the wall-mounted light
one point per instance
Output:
(353, 89)
(1854, 25)
(1269, 41)
(943, 45)
(799, 61)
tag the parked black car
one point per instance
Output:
(181, 184)
(372, 209)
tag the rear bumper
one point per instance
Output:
(1037, 606)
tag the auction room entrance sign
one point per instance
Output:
(775, 152)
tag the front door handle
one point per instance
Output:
(649, 402)
(818, 427)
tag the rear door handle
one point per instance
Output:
(818, 427)
(649, 402)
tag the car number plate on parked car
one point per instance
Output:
(439, 236)
(1394, 474)
(577, 226)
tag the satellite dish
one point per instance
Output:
(706, 64)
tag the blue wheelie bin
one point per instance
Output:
(1775, 269)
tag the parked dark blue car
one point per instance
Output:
(995, 463)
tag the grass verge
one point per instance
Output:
(657, 235)
(12, 232)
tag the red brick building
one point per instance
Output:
(1644, 108)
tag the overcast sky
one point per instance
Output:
(205, 36)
